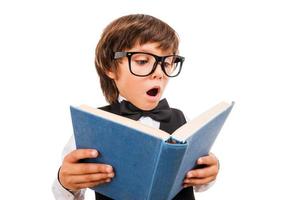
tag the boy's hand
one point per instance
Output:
(205, 174)
(75, 176)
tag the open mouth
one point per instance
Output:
(153, 92)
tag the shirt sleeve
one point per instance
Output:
(59, 192)
(202, 188)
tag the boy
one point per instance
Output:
(135, 57)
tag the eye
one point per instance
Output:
(141, 62)
(167, 65)
(140, 59)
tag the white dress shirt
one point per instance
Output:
(60, 193)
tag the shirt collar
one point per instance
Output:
(121, 98)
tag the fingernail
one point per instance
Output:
(200, 161)
(94, 153)
(108, 180)
(111, 175)
(189, 175)
(109, 169)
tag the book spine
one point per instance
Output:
(168, 164)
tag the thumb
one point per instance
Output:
(79, 154)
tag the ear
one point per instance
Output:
(111, 74)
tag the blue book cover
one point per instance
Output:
(146, 165)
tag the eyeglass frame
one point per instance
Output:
(161, 59)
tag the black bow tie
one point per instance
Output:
(161, 113)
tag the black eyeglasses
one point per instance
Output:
(143, 64)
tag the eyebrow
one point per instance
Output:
(165, 53)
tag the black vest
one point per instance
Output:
(177, 120)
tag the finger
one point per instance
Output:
(211, 159)
(203, 173)
(90, 184)
(78, 179)
(198, 181)
(79, 154)
(87, 168)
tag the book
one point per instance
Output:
(149, 164)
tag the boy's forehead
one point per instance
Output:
(151, 47)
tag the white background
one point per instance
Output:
(245, 51)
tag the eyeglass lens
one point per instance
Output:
(143, 64)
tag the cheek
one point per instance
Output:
(135, 85)
(129, 84)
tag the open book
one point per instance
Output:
(146, 164)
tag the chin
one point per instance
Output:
(150, 105)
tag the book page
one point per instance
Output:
(126, 122)
(192, 126)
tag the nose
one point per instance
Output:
(158, 73)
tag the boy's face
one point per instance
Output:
(144, 92)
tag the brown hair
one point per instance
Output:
(124, 33)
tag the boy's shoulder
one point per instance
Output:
(176, 110)
(178, 115)
(112, 108)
